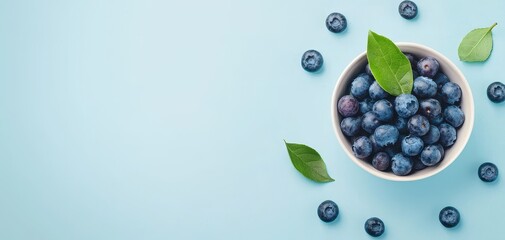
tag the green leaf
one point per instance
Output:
(390, 67)
(308, 162)
(476, 46)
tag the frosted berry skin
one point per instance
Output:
(412, 145)
(370, 121)
(488, 172)
(401, 165)
(430, 155)
(451, 93)
(432, 136)
(328, 211)
(362, 147)
(336, 22)
(384, 110)
(448, 135)
(418, 125)
(312, 61)
(406, 105)
(428, 67)
(376, 92)
(366, 105)
(386, 135)
(348, 106)
(360, 86)
(430, 108)
(496, 92)
(449, 217)
(424, 87)
(381, 161)
(351, 126)
(454, 116)
(407, 9)
(374, 227)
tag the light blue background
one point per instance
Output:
(123, 119)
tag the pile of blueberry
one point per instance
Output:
(406, 133)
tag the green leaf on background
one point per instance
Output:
(476, 46)
(308, 162)
(390, 67)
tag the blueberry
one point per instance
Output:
(412, 145)
(362, 147)
(406, 105)
(351, 126)
(454, 116)
(441, 149)
(432, 136)
(430, 108)
(376, 92)
(424, 87)
(370, 121)
(428, 67)
(312, 61)
(418, 125)
(374, 227)
(381, 161)
(401, 165)
(407, 9)
(327, 211)
(336, 22)
(437, 120)
(401, 124)
(360, 86)
(418, 165)
(368, 70)
(447, 135)
(450, 93)
(440, 79)
(430, 155)
(488, 172)
(384, 110)
(375, 147)
(496, 92)
(449, 217)
(366, 105)
(348, 106)
(386, 135)
(412, 59)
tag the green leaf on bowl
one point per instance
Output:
(390, 67)
(308, 162)
(476, 46)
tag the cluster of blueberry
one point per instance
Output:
(405, 133)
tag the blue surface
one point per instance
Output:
(165, 120)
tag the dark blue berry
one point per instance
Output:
(412, 145)
(351, 126)
(448, 135)
(449, 217)
(348, 106)
(370, 122)
(362, 147)
(406, 105)
(366, 105)
(376, 92)
(432, 136)
(360, 86)
(496, 92)
(454, 116)
(430, 108)
(384, 110)
(430, 155)
(381, 161)
(437, 120)
(418, 125)
(327, 211)
(424, 87)
(386, 135)
(488, 172)
(401, 165)
(312, 61)
(375, 147)
(418, 165)
(374, 227)
(407, 9)
(412, 59)
(440, 79)
(336, 22)
(401, 124)
(441, 149)
(428, 67)
(450, 93)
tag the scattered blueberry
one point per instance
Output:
(454, 116)
(370, 121)
(450, 93)
(384, 110)
(376, 92)
(312, 61)
(407, 9)
(496, 92)
(351, 126)
(430, 108)
(360, 86)
(449, 217)
(401, 165)
(366, 105)
(488, 172)
(412, 145)
(430, 155)
(336, 22)
(424, 87)
(327, 211)
(362, 147)
(432, 136)
(406, 105)
(401, 124)
(348, 106)
(374, 227)
(381, 161)
(386, 135)
(428, 67)
(418, 125)
(447, 135)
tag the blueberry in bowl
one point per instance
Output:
(409, 136)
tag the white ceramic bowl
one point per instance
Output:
(447, 67)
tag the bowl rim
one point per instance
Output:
(469, 117)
